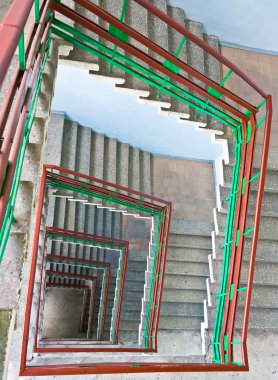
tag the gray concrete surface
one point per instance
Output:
(5, 317)
(62, 314)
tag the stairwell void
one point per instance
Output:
(69, 255)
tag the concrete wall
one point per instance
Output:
(263, 69)
(188, 184)
(5, 317)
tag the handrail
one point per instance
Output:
(11, 30)
(178, 27)
(14, 126)
(244, 130)
(156, 48)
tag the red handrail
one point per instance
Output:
(199, 42)
(11, 30)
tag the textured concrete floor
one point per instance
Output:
(62, 313)
(263, 358)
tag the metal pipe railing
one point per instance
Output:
(203, 45)
(238, 206)
(11, 30)
(19, 89)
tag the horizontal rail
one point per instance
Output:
(11, 30)
(179, 28)
(155, 64)
(162, 52)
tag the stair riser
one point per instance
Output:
(270, 203)
(189, 241)
(267, 250)
(268, 225)
(187, 254)
(265, 273)
(271, 182)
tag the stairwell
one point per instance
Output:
(263, 315)
(190, 314)
(187, 269)
(12, 270)
(78, 159)
(107, 159)
(187, 252)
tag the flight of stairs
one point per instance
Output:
(16, 253)
(187, 266)
(183, 309)
(263, 314)
(155, 29)
(80, 148)
(159, 33)
(197, 248)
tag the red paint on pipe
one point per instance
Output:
(11, 30)
(152, 62)
(163, 53)
(203, 45)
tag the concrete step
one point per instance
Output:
(189, 241)
(132, 305)
(272, 156)
(190, 227)
(109, 304)
(270, 203)
(123, 357)
(128, 315)
(264, 296)
(174, 40)
(97, 170)
(267, 250)
(131, 286)
(177, 295)
(183, 268)
(53, 149)
(196, 56)
(260, 318)
(23, 207)
(157, 31)
(137, 256)
(129, 325)
(82, 164)
(214, 72)
(139, 266)
(271, 175)
(182, 309)
(128, 336)
(37, 134)
(265, 273)
(109, 174)
(31, 165)
(176, 281)
(133, 296)
(122, 164)
(268, 225)
(180, 322)
(135, 276)
(180, 254)
(145, 172)
(134, 168)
